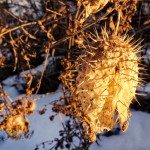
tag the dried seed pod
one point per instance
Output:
(16, 125)
(106, 83)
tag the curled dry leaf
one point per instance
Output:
(92, 7)
(41, 112)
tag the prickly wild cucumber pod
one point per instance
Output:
(105, 84)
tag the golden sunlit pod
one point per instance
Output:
(106, 82)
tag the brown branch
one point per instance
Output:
(84, 28)
(15, 28)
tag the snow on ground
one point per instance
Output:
(137, 136)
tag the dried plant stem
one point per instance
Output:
(81, 30)
(45, 64)
(17, 27)
(118, 22)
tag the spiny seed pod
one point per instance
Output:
(106, 81)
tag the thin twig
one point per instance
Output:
(17, 27)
